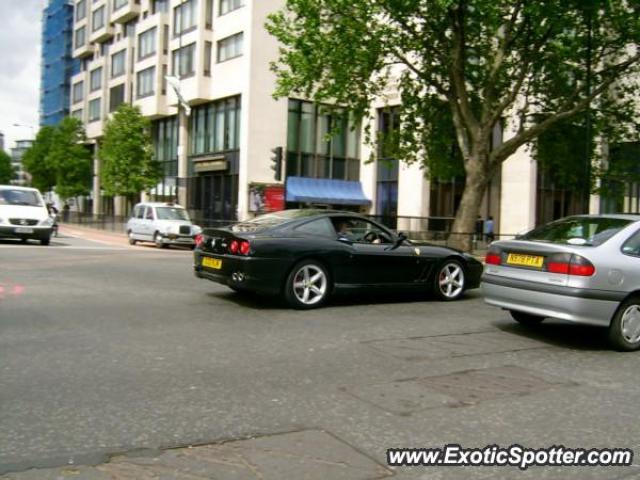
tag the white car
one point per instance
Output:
(162, 223)
(24, 215)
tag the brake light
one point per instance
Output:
(571, 265)
(233, 246)
(245, 247)
(199, 239)
(493, 258)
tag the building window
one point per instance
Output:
(118, 63)
(80, 37)
(322, 143)
(230, 47)
(183, 64)
(159, 6)
(215, 127)
(147, 43)
(208, 14)
(94, 110)
(146, 82)
(77, 114)
(81, 10)
(97, 19)
(165, 40)
(227, 6)
(387, 165)
(78, 92)
(130, 28)
(164, 135)
(208, 47)
(116, 97)
(185, 17)
(95, 81)
(118, 4)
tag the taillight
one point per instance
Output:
(233, 246)
(199, 239)
(493, 258)
(245, 247)
(570, 265)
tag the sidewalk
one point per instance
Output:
(93, 234)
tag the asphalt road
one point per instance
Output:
(108, 349)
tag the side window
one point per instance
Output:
(360, 231)
(321, 227)
(632, 245)
(138, 211)
(149, 213)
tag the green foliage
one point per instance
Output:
(36, 161)
(126, 151)
(6, 169)
(71, 159)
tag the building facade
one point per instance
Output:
(57, 64)
(17, 153)
(217, 160)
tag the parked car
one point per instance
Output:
(162, 223)
(584, 269)
(307, 255)
(24, 215)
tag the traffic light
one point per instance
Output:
(276, 163)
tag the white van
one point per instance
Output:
(24, 215)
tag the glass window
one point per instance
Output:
(632, 245)
(118, 63)
(29, 198)
(321, 227)
(587, 231)
(117, 4)
(94, 110)
(146, 82)
(208, 14)
(230, 47)
(77, 114)
(95, 82)
(78, 91)
(81, 10)
(138, 211)
(208, 47)
(359, 230)
(159, 6)
(183, 61)
(116, 97)
(149, 214)
(227, 6)
(171, 213)
(130, 28)
(97, 19)
(215, 127)
(185, 17)
(80, 37)
(147, 43)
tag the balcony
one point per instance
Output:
(125, 10)
(83, 51)
(102, 34)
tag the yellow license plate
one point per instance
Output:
(212, 263)
(525, 260)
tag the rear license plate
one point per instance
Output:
(23, 230)
(525, 260)
(212, 263)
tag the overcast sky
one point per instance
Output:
(19, 67)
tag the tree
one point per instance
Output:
(35, 160)
(70, 158)
(6, 169)
(528, 64)
(126, 151)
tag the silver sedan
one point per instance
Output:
(584, 269)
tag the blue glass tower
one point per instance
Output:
(57, 64)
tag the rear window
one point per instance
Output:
(29, 198)
(577, 231)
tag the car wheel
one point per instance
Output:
(45, 241)
(307, 286)
(157, 239)
(132, 241)
(624, 331)
(525, 318)
(450, 281)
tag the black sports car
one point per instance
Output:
(306, 255)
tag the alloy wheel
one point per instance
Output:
(309, 285)
(451, 280)
(630, 324)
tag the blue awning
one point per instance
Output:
(324, 190)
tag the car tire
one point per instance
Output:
(307, 286)
(624, 330)
(132, 241)
(157, 239)
(449, 281)
(526, 318)
(45, 241)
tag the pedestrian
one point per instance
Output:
(488, 230)
(479, 228)
(65, 212)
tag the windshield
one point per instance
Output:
(269, 220)
(578, 231)
(29, 198)
(172, 213)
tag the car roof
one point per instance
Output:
(159, 204)
(624, 216)
(16, 187)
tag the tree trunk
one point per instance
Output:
(464, 224)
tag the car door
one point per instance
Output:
(134, 221)
(146, 223)
(377, 259)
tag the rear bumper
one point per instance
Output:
(14, 231)
(594, 307)
(178, 240)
